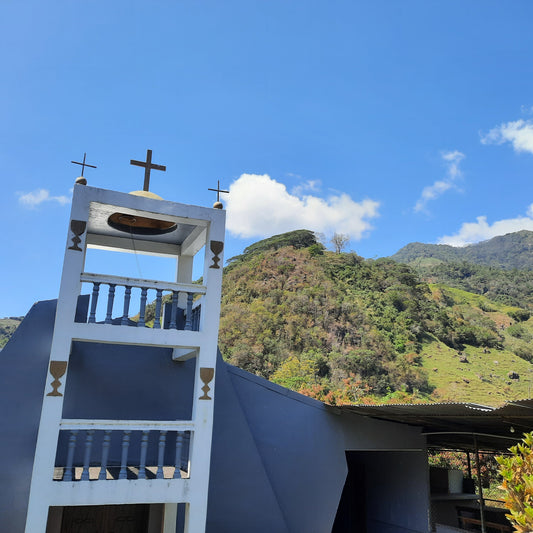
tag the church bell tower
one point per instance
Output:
(92, 462)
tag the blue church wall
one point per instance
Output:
(23, 368)
(278, 458)
(108, 381)
(241, 497)
(301, 444)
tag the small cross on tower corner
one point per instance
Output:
(218, 190)
(81, 180)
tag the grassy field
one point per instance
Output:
(483, 379)
(476, 374)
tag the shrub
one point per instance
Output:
(524, 352)
(484, 306)
(519, 332)
(517, 473)
(520, 315)
(316, 249)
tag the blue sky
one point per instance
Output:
(390, 121)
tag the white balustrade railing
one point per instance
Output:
(180, 294)
(122, 449)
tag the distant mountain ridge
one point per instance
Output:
(510, 251)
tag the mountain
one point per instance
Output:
(511, 251)
(500, 268)
(344, 329)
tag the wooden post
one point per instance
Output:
(480, 489)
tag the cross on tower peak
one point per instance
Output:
(148, 166)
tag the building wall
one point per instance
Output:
(396, 483)
(23, 369)
(278, 458)
(298, 447)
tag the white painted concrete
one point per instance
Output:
(207, 225)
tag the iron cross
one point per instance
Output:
(148, 166)
(218, 190)
(84, 164)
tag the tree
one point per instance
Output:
(339, 241)
(517, 473)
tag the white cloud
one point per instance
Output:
(439, 187)
(519, 133)
(309, 185)
(481, 230)
(259, 206)
(38, 196)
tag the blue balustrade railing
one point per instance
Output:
(181, 311)
(98, 450)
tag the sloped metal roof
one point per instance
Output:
(459, 425)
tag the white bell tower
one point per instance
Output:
(185, 319)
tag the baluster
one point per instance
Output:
(158, 300)
(67, 476)
(105, 453)
(125, 314)
(123, 474)
(188, 321)
(144, 292)
(144, 449)
(196, 319)
(179, 447)
(94, 302)
(161, 454)
(87, 457)
(110, 300)
(172, 324)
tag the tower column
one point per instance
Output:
(52, 407)
(184, 275)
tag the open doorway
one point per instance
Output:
(385, 492)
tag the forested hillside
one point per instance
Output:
(511, 287)
(345, 329)
(500, 268)
(511, 251)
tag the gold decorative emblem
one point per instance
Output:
(206, 375)
(216, 248)
(78, 228)
(57, 369)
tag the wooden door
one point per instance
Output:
(106, 519)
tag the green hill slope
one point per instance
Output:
(511, 251)
(483, 374)
(345, 329)
(512, 287)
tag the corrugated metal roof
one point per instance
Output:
(454, 425)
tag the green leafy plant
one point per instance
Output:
(517, 473)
